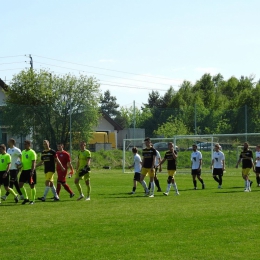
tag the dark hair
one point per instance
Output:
(3, 146)
(27, 142)
(134, 150)
(60, 144)
(12, 140)
(147, 139)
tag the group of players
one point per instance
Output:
(151, 162)
(13, 159)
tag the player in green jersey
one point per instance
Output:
(83, 164)
(5, 163)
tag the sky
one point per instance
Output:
(131, 47)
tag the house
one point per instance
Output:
(105, 134)
(4, 135)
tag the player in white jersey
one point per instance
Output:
(218, 165)
(196, 163)
(15, 153)
(137, 168)
(257, 165)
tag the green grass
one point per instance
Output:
(202, 224)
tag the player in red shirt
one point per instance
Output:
(64, 158)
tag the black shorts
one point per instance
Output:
(4, 181)
(218, 171)
(13, 175)
(137, 176)
(257, 169)
(196, 172)
(25, 177)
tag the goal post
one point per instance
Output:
(229, 143)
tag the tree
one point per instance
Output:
(108, 104)
(172, 127)
(42, 104)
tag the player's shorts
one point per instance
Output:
(13, 175)
(196, 172)
(49, 176)
(257, 169)
(148, 171)
(85, 177)
(62, 176)
(4, 181)
(245, 171)
(137, 176)
(218, 171)
(171, 173)
(25, 177)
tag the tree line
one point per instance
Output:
(57, 108)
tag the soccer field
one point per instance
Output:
(199, 224)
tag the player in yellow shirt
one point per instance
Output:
(28, 174)
(5, 163)
(83, 170)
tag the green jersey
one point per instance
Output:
(5, 159)
(27, 158)
(83, 157)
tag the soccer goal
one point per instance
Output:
(230, 145)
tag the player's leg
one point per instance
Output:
(76, 181)
(151, 175)
(87, 181)
(142, 181)
(193, 174)
(156, 181)
(169, 184)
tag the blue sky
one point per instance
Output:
(132, 47)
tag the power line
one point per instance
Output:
(104, 74)
(11, 56)
(131, 73)
(12, 62)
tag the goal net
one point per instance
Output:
(231, 145)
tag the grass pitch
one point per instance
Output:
(199, 224)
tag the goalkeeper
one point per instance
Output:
(83, 170)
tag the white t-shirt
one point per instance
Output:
(218, 158)
(195, 158)
(158, 156)
(257, 154)
(15, 154)
(137, 163)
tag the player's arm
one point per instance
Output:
(200, 160)
(238, 162)
(69, 164)
(153, 163)
(224, 165)
(39, 163)
(33, 166)
(161, 162)
(7, 170)
(212, 163)
(56, 159)
(160, 165)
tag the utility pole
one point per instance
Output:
(31, 61)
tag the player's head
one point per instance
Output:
(46, 144)
(194, 147)
(82, 145)
(2, 148)
(258, 147)
(134, 150)
(11, 142)
(246, 145)
(217, 147)
(60, 146)
(27, 144)
(147, 142)
(170, 146)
